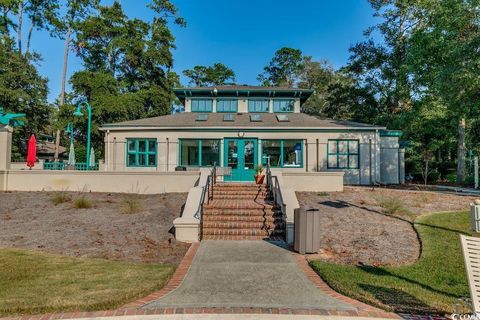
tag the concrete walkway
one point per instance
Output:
(246, 274)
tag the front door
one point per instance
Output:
(241, 156)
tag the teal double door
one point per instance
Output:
(241, 156)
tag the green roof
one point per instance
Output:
(243, 91)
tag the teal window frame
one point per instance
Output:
(347, 153)
(227, 105)
(254, 108)
(277, 105)
(200, 145)
(137, 153)
(282, 153)
(201, 105)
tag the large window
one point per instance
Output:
(227, 105)
(282, 153)
(201, 105)
(343, 154)
(141, 152)
(258, 105)
(199, 153)
(283, 105)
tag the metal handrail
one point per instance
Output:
(275, 191)
(207, 192)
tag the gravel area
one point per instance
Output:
(32, 220)
(356, 229)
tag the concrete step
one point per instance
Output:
(242, 225)
(241, 232)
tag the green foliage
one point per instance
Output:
(61, 197)
(127, 66)
(430, 285)
(22, 90)
(132, 204)
(216, 75)
(82, 202)
(283, 69)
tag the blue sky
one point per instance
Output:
(241, 34)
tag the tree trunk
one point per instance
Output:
(426, 173)
(29, 37)
(461, 151)
(62, 93)
(19, 29)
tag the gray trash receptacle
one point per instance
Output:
(307, 230)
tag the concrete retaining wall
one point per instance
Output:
(97, 181)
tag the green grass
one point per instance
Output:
(432, 284)
(34, 282)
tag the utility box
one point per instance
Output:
(307, 230)
(475, 216)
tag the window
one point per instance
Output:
(199, 153)
(282, 153)
(260, 105)
(141, 152)
(343, 154)
(227, 105)
(283, 105)
(201, 105)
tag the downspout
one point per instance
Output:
(114, 156)
(306, 155)
(168, 154)
(318, 165)
(370, 162)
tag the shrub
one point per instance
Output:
(392, 205)
(423, 198)
(82, 203)
(132, 204)
(60, 197)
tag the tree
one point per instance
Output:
(284, 68)
(444, 60)
(76, 11)
(127, 65)
(22, 90)
(216, 75)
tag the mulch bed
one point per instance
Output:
(356, 230)
(31, 220)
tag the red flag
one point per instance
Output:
(31, 151)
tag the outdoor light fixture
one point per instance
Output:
(78, 113)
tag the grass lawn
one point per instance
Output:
(33, 282)
(432, 284)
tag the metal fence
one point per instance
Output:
(81, 166)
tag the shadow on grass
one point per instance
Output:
(377, 271)
(398, 300)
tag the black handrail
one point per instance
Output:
(207, 191)
(275, 193)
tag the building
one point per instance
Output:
(241, 127)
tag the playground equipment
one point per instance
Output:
(11, 119)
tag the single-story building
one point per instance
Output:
(240, 127)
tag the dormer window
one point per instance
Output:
(202, 105)
(227, 105)
(258, 105)
(283, 105)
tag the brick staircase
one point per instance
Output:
(241, 212)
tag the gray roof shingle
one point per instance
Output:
(215, 120)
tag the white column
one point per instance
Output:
(5, 147)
